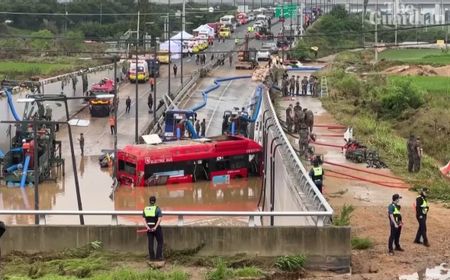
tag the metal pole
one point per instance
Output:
(376, 33)
(74, 163)
(395, 21)
(183, 23)
(116, 108)
(170, 58)
(136, 122)
(154, 90)
(36, 172)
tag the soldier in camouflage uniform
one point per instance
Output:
(299, 118)
(309, 119)
(289, 119)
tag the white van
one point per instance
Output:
(230, 21)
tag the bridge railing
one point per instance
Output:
(181, 215)
(287, 184)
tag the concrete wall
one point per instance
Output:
(325, 247)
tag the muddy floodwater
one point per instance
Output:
(95, 186)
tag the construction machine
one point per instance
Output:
(247, 57)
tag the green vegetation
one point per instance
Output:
(360, 243)
(343, 219)
(417, 56)
(430, 84)
(18, 69)
(222, 272)
(290, 263)
(383, 112)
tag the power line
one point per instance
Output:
(106, 14)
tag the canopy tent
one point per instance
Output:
(175, 48)
(181, 35)
(204, 29)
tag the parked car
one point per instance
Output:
(272, 46)
(251, 17)
(263, 54)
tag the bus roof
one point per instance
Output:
(192, 149)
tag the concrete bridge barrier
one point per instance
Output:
(325, 247)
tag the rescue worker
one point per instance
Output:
(284, 86)
(422, 209)
(311, 84)
(150, 103)
(395, 224)
(112, 124)
(175, 70)
(309, 119)
(316, 173)
(152, 218)
(48, 113)
(417, 155)
(297, 86)
(410, 144)
(297, 117)
(303, 140)
(304, 85)
(197, 127)
(152, 84)
(81, 141)
(289, 117)
(203, 128)
(128, 105)
(292, 85)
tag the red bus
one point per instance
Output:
(189, 161)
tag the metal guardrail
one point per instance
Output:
(304, 185)
(42, 214)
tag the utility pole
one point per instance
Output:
(101, 13)
(376, 34)
(183, 28)
(116, 108)
(395, 21)
(136, 122)
(170, 56)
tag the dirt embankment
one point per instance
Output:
(418, 70)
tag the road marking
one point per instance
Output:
(217, 106)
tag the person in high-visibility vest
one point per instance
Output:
(422, 208)
(316, 173)
(395, 222)
(152, 218)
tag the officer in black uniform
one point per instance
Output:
(153, 215)
(421, 215)
(395, 222)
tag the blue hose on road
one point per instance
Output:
(216, 85)
(259, 96)
(24, 171)
(11, 105)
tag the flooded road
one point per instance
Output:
(95, 185)
(440, 272)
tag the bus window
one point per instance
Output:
(128, 167)
(239, 161)
(170, 169)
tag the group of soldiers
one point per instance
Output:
(300, 120)
(414, 148)
(291, 86)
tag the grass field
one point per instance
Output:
(419, 56)
(430, 84)
(12, 67)
(43, 67)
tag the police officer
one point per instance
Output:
(395, 224)
(152, 215)
(422, 208)
(316, 173)
(2, 228)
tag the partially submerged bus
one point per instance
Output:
(187, 161)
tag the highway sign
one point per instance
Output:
(286, 11)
